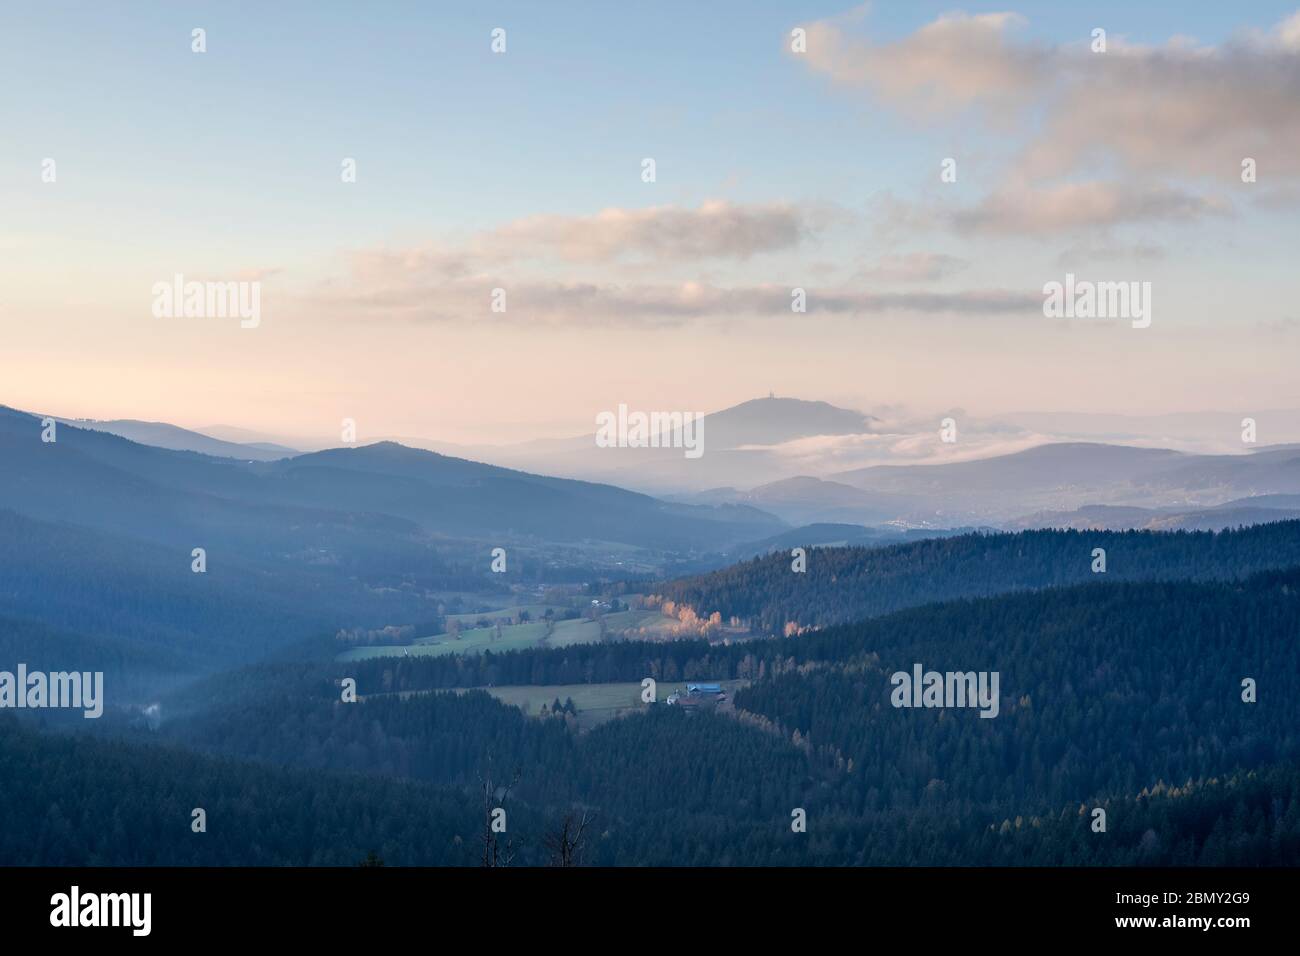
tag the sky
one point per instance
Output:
(775, 169)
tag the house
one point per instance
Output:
(698, 695)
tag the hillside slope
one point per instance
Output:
(846, 584)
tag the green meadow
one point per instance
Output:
(475, 640)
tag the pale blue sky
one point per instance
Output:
(449, 135)
(228, 162)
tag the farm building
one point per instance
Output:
(698, 695)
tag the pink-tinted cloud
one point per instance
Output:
(715, 229)
(1176, 108)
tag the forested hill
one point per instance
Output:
(1167, 616)
(133, 806)
(1106, 690)
(76, 801)
(848, 584)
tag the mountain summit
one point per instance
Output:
(771, 420)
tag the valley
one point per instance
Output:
(490, 617)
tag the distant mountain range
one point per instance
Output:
(1207, 430)
(737, 441)
(787, 456)
(806, 500)
(98, 534)
(1261, 509)
(100, 480)
(749, 474)
(1062, 477)
(1055, 485)
(175, 438)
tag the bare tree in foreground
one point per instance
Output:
(566, 841)
(495, 851)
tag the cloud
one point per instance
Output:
(421, 297)
(825, 455)
(539, 264)
(1177, 109)
(1110, 252)
(1073, 207)
(429, 262)
(1288, 31)
(914, 267)
(1285, 326)
(1034, 211)
(656, 235)
(1282, 199)
(716, 229)
(1174, 109)
(956, 61)
(257, 274)
(917, 442)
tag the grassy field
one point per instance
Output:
(534, 610)
(596, 703)
(513, 636)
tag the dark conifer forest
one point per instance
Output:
(1114, 694)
